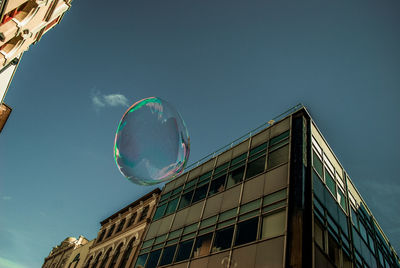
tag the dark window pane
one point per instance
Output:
(205, 176)
(144, 213)
(217, 185)
(223, 239)
(159, 212)
(202, 245)
(221, 167)
(105, 259)
(177, 190)
(343, 222)
(277, 139)
(132, 219)
(101, 236)
(186, 199)
(246, 231)
(200, 193)
(121, 225)
(153, 259)
(165, 196)
(235, 176)
(256, 167)
(238, 159)
(191, 183)
(342, 200)
(184, 250)
(111, 231)
(318, 187)
(141, 261)
(330, 182)
(333, 250)
(331, 205)
(278, 157)
(319, 235)
(168, 255)
(172, 206)
(317, 164)
(258, 149)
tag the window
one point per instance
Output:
(172, 206)
(217, 185)
(200, 193)
(317, 164)
(121, 225)
(342, 200)
(256, 167)
(101, 236)
(319, 235)
(96, 261)
(346, 261)
(246, 231)
(127, 252)
(105, 259)
(141, 261)
(278, 157)
(88, 262)
(235, 176)
(153, 259)
(116, 255)
(159, 212)
(144, 213)
(333, 250)
(186, 199)
(110, 231)
(202, 245)
(273, 224)
(132, 219)
(168, 255)
(330, 182)
(223, 239)
(184, 250)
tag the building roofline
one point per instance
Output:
(133, 204)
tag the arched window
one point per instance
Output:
(115, 257)
(111, 231)
(127, 253)
(121, 225)
(132, 219)
(88, 262)
(96, 261)
(105, 259)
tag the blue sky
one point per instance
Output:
(227, 66)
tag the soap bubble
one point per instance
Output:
(152, 143)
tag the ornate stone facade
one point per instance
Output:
(59, 255)
(121, 234)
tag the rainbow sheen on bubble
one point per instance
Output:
(152, 143)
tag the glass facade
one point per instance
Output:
(241, 208)
(345, 232)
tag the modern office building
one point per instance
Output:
(277, 198)
(121, 234)
(22, 23)
(59, 255)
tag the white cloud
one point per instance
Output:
(5, 197)
(9, 263)
(116, 100)
(112, 100)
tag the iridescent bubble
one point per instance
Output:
(152, 143)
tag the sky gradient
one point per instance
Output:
(227, 67)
